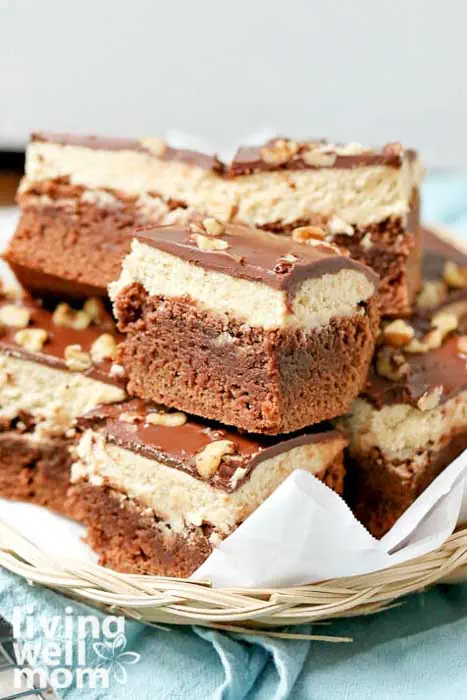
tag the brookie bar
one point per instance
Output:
(159, 490)
(82, 195)
(53, 367)
(411, 420)
(244, 326)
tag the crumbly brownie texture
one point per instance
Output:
(81, 195)
(250, 335)
(35, 471)
(411, 419)
(159, 490)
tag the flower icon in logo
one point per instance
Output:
(115, 658)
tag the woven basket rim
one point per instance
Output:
(165, 600)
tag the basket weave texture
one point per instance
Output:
(163, 600)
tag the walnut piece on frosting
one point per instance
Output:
(430, 399)
(279, 152)
(155, 145)
(169, 420)
(208, 460)
(31, 339)
(15, 316)
(76, 359)
(208, 243)
(104, 348)
(303, 234)
(397, 333)
(213, 226)
(65, 316)
(391, 364)
(320, 155)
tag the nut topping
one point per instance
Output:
(213, 226)
(65, 316)
(16, 316)
(320, 156)
(397, 333)
(157, 146)
(207, 243)
(76, 359)
(117, 370)
(303, 234)
(433, 293)
(393, 149)
(338, 226)
(455, 275)
(104, 348)
(208, 460)
(391, 364)
(442, 323)
(169, 420)
(96, 310)
(130, 417)
(430, 399)
(279, 152)
(31, 339)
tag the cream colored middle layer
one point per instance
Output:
(400, 430)
(183, 500)
(358, 196)
(52, 396)
(315, 302)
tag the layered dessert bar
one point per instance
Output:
(81, 195)
(54, 366)
(159, 490)
(365, 200)
(411, 420)
(243, 326)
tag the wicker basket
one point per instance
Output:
(157, 599)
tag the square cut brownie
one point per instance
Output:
(244, 326)
(53, 367)
(364, 200)
(81, 196)
(159, 490)
(411, 420)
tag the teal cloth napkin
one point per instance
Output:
(415, 650)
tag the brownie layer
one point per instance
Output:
(35, 471)
(262, 381)
(132, 539)
(386, 488)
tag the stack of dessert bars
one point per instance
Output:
(189, 332)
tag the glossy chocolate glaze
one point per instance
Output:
(254, 255)
(249, 159)
(99, 143)
(444, 366)
(178, 446)
(59, 337)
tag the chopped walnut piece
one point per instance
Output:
(213, 226)
(430, 399)
(433, 293)
(15, 316)
(207, 243)
(455, 275)
(96, 310)
(393, 149)
(169, 420)
(76, 359)
(279, 152)
(157, 146)
(390, 364)
(303, 234)
(31, 339)
(397, 333)
(104, 348)
(130, 417)
(117, 370)
(208, 460)
(462, 344)
(322, 155)
(64, 315)
(442, 323)
(351, 149)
